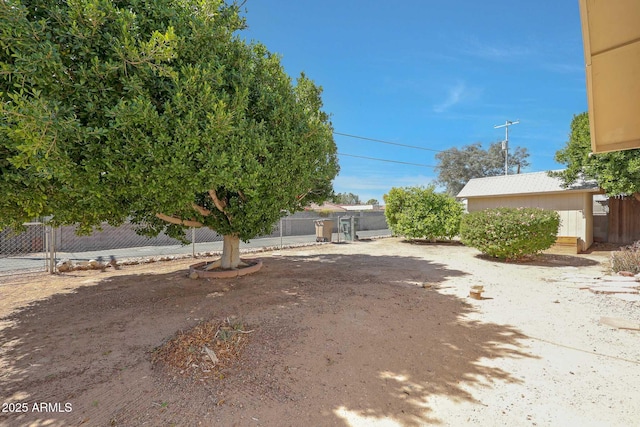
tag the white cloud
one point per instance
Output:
(484, 50)
(455, 94)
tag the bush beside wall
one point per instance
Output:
(419, 212)
(510, 233)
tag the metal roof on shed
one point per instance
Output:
(524, 183)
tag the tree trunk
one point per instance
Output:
(230, 252)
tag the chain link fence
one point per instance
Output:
(26, 251)
(42, 248)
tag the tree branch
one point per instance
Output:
(303, 195)
(220, 204)
(202, 211)
(179, 221)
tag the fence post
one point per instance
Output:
(47, 237)
(193, 242)
(281, 220)
(51, 247)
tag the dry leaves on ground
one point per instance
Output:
(204, 351)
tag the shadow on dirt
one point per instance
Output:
(337, 338)
(546, 260)
(541, 260)
(426, 242)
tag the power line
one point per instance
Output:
(388, 161)
(386, 142)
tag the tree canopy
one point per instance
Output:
(419, 212)
(616, 172)
(156, 111)
(457, 166)
(346, 199)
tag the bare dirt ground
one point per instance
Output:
(378, 333)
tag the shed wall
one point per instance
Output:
(575, 209)
(624, 220)
(588, 218)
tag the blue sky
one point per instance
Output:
(431, 74)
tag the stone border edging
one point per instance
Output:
(256, 264)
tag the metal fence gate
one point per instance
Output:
(28, 250)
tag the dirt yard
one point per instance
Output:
(373, 333)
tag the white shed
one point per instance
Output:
(538, 190)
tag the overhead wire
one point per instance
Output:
(390, 143)
(387, 142)
(386, 160)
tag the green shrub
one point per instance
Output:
(419, 212)
(510, 233)
(626, 259)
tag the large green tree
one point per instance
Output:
(457, 166)
(420, 212)
(616, 172)
(156, 111)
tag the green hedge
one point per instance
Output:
(510, 233)
(419, 212)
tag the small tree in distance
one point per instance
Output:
(457, 166)
(419, 212)
(346, 199)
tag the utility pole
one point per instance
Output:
(505, 143)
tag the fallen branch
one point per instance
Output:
(242, 332)
(212, 355)
(238, 331)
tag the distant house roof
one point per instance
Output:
(521, 184)
(326, 206)
(361, 207)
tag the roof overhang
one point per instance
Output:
(611, 36)
(543, 193)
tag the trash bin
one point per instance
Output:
(324, 230)
(348, 226)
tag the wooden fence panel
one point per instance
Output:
(624, 220)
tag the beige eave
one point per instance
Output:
(611, 36)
